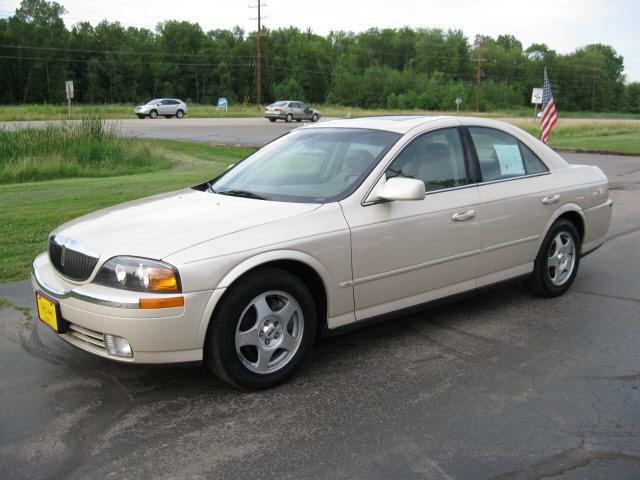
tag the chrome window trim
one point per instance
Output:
(501, 180)
(479, 184)
(60, 295)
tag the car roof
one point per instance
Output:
(392, 123)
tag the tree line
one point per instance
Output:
(423, 68)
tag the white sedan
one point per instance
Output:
(328, 228)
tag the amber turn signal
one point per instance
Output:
(161, 302)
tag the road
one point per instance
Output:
(252, 132)
(504, 385)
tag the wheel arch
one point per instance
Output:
(571, 212)
(307, 268)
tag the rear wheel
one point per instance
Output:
(179, 114)
(261, 330)
(289, 118)
(558, 260)
(153, 114)
(272, 120)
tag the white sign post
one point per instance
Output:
(458, 103)
(536, 99)
(68, 86)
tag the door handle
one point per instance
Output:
(465, 215)
(550, 199)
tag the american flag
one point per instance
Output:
(549, 118)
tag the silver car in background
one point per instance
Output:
(168, 107)
(289, 110)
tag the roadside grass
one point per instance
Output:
(90, 148)
(120, 111)
(611, 138)
(29, 211)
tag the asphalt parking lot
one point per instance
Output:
(504, 385)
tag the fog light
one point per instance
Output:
(117, 346)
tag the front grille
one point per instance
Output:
(88, 338)
(69, 262)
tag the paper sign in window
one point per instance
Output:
(510, 160)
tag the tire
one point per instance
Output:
(140, 116)
(315, 118)
(561, 246)
(272, 120)
(275, 345)
(179, 114)
(153, 114)
(289, 118)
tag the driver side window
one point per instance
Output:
(436, 158)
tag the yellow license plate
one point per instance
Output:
(48, 312)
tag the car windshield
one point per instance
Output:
(316, 165)
(278, 104)
(154, 102)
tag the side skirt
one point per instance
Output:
(420, 307)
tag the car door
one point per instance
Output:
(514, 183)
(171, 107)
(163, 108)
(305, 112)
(409, 252)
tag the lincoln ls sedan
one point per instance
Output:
(330, 227)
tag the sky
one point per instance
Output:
(563, 25)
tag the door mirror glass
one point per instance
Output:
(402, 189)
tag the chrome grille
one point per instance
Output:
(69, 261)
(93, 339)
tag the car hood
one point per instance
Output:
(157, 226)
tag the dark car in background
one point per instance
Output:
(290, 110)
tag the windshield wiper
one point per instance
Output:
(243, 193)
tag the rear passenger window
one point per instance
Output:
(502, 156)
(436, 158)
(532, 164)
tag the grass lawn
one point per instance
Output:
(29, 211)
(611, 138)
(119, 111)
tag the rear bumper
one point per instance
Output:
(597, 222)
(164, 335)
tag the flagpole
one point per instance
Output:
(542, 104)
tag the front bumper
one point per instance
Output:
(164, 335)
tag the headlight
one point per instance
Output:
(139, 275)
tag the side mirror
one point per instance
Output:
(399, 188)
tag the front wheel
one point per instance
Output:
(140, 116)
(289, 118)
(557, 262)
(261, 331)
(314, 118)
(153, 114)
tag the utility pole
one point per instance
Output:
(479, 61)
(593, 89)
(258, 51)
